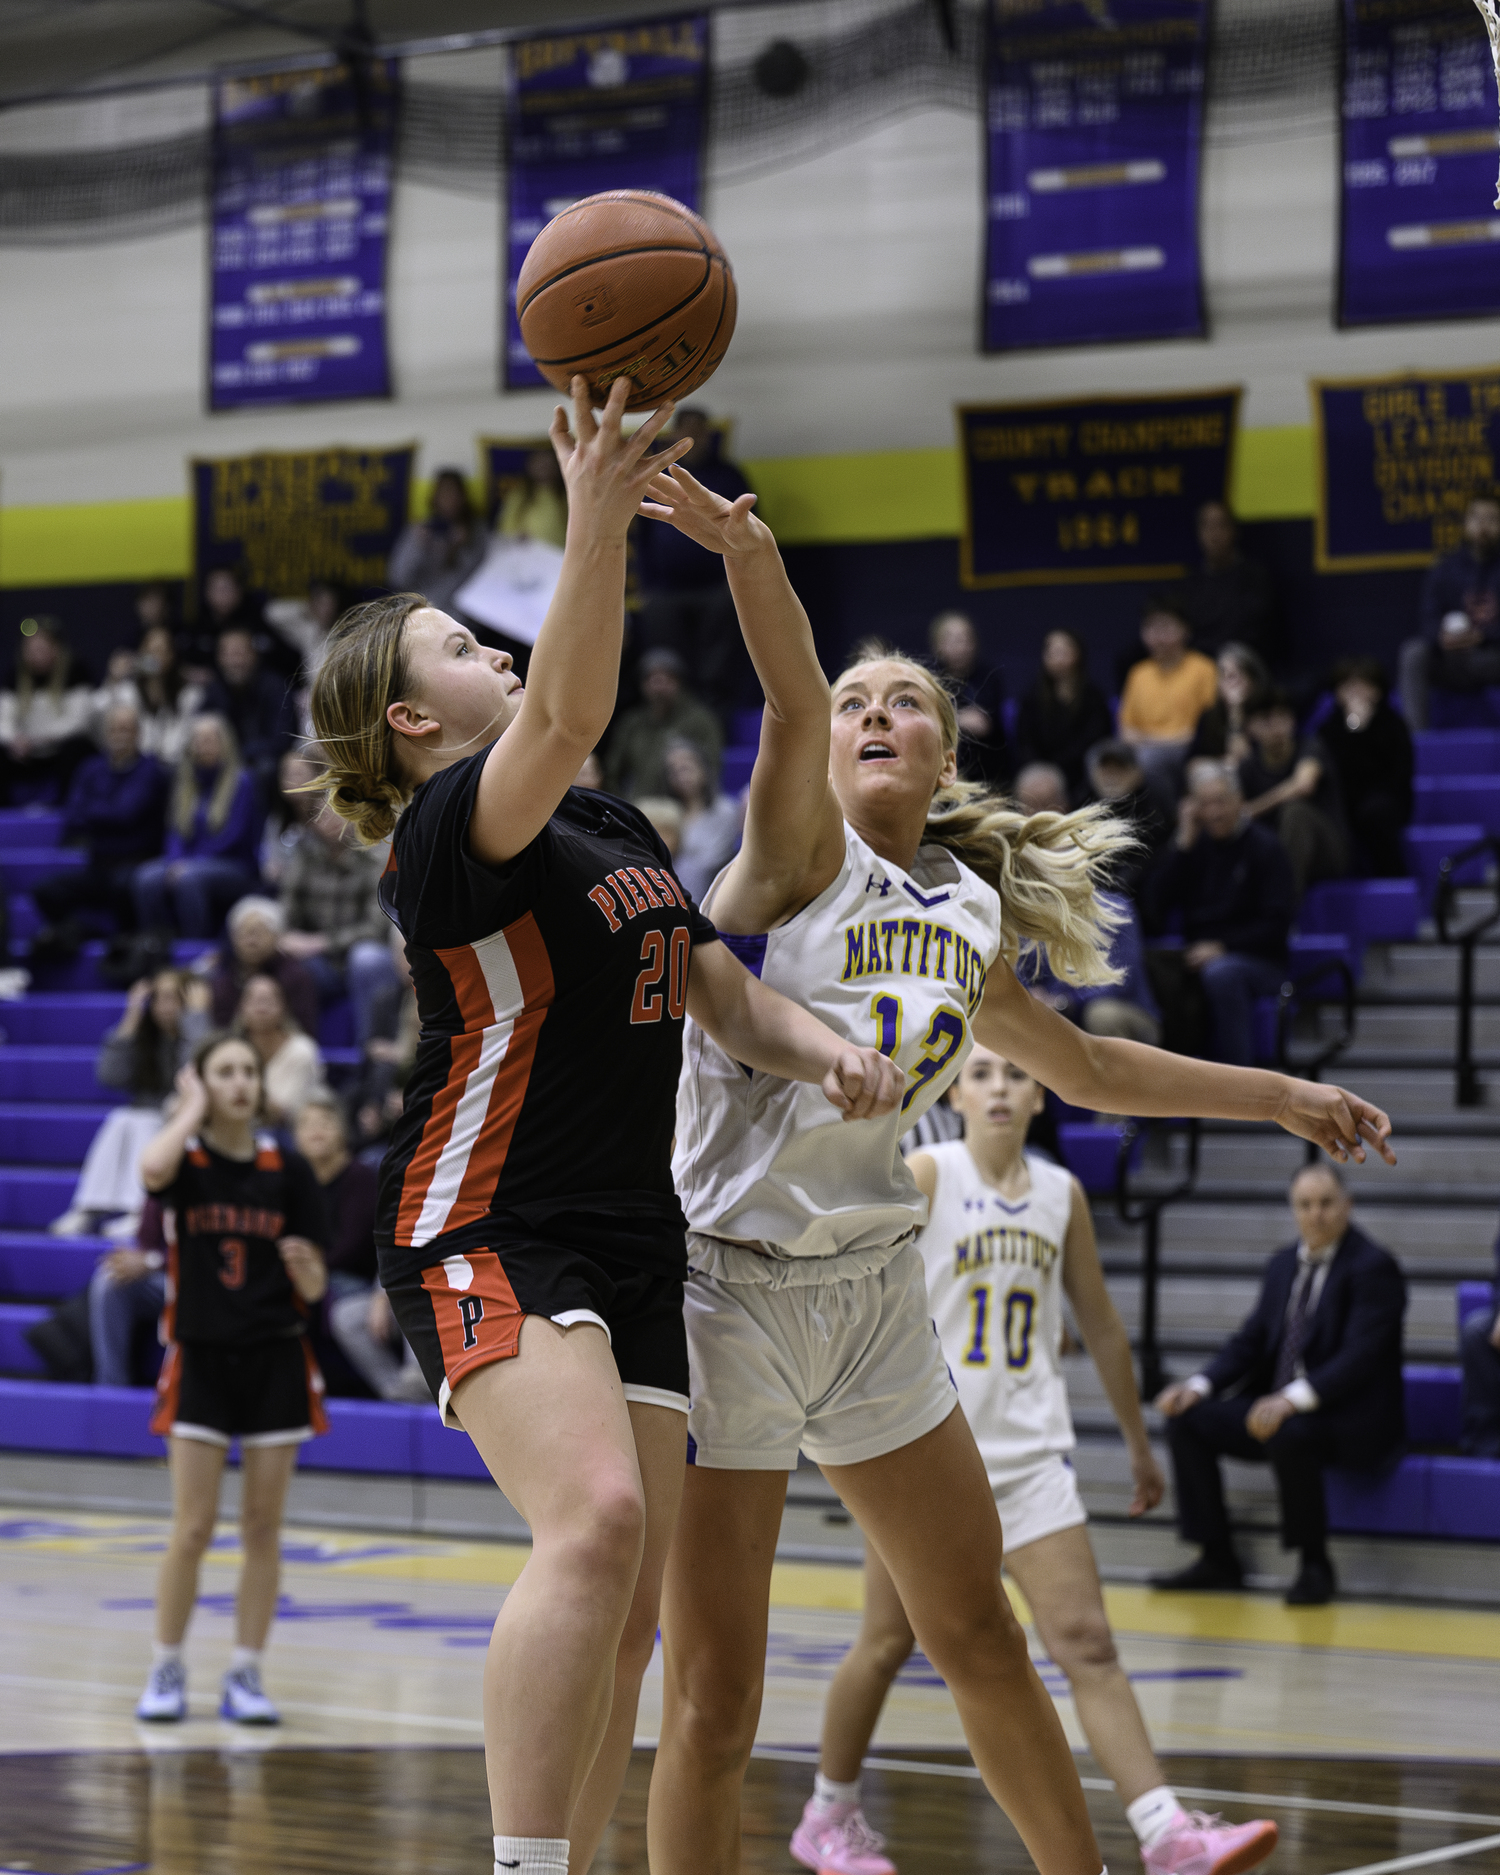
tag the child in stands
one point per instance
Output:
(244, 1264)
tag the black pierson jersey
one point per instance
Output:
(551, 991)
(227, 1281)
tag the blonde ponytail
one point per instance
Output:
(364, 671)
(1049, 869)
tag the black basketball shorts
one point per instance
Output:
(466, 1311)
(261, 1393)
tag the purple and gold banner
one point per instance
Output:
(622, 107)
(1420, 238)
(301, 205)
(1094, 116)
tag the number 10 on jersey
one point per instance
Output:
(941, 1043)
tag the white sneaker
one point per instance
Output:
(164, 1701)
(244, 1701)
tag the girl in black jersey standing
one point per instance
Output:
(530, 1238)
(244, 1265)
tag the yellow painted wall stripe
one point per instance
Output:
(890, 495)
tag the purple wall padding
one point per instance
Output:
(97, 1422)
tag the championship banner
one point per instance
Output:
(301, 204)
(1398, 461)
(620, 108)
(1104, 488)
(1420, 238)
(282, 520)
(1093, 127)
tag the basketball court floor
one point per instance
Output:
(1371, 1732)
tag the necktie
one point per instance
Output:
(1294, 1330)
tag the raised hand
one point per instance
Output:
(863, 1084)
(726, 527)
(1338, 1121)
(604, 469)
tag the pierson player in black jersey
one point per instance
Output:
(531, 1242)
(244, 1266)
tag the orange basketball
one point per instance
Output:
(627, 284)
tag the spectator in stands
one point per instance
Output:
(1479, 1345)
(1164, 696)
(1231, 598)
(536, 505)
(1290, 786)
(334, 924)
(1221, 734)
(45, 713)
(115, 811)
(292, 807)
(155, 607)
(149, 681)
(291, 1067)
(665, 816)
(163, 1023)
(635, 761)
(1117, 779)
(213, 831)
(1126, 1008)
(1041, 788)
(1369, 749)
(257, 930)
(686, 603)
(1229, 882)
(1312, 1378)
(1459, 650)
(390, 1051)
(226, 606)
(257, 704)
(127, 1290)
(978, 692)
(1064, 713)
(434, 557)
(710, 820)
(303, 625)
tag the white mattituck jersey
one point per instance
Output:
(888, 959)
(994, 1284)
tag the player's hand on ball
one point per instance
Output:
(726, 527)
(864, 1084)
(607, 472)
(1338, 1121)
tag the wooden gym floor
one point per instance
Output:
(1370, 1732)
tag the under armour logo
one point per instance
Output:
(884, 885)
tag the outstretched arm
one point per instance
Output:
(794, 837)
(574, 672)
(766, 1030)
(1114, 1076)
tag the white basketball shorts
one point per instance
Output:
(836, 1357)
(1039, 1503)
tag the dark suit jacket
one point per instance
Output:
(1351, 1350)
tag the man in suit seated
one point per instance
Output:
(1311, 1378)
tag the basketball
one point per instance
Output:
(631, 284)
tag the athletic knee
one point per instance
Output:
(193, 1531)
(887, 1649)
(602, 1540)
(1083, 1643)
(714, 1719)
(977, 1641)
(260, 1531)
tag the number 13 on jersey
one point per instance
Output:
(943, 1040)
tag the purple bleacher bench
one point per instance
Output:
(1471, 1297)
(1457, 751)
(36, 1265)
(17, 1356)
(1394, 1502)
(23, 826)
(1445, 800)
(80, 1019)
(1471, 709)
(1434, 1403)
(1089, 1151)
(1428, 847)
(1365, 911)
(1464, 1501)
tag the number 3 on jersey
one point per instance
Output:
(941, 1043)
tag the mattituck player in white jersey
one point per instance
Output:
(889, 897)
(1008, 1235)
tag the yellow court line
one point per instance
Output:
(1363, 1627)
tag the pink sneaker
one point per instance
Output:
(1202, 1845)
(841, 1842)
